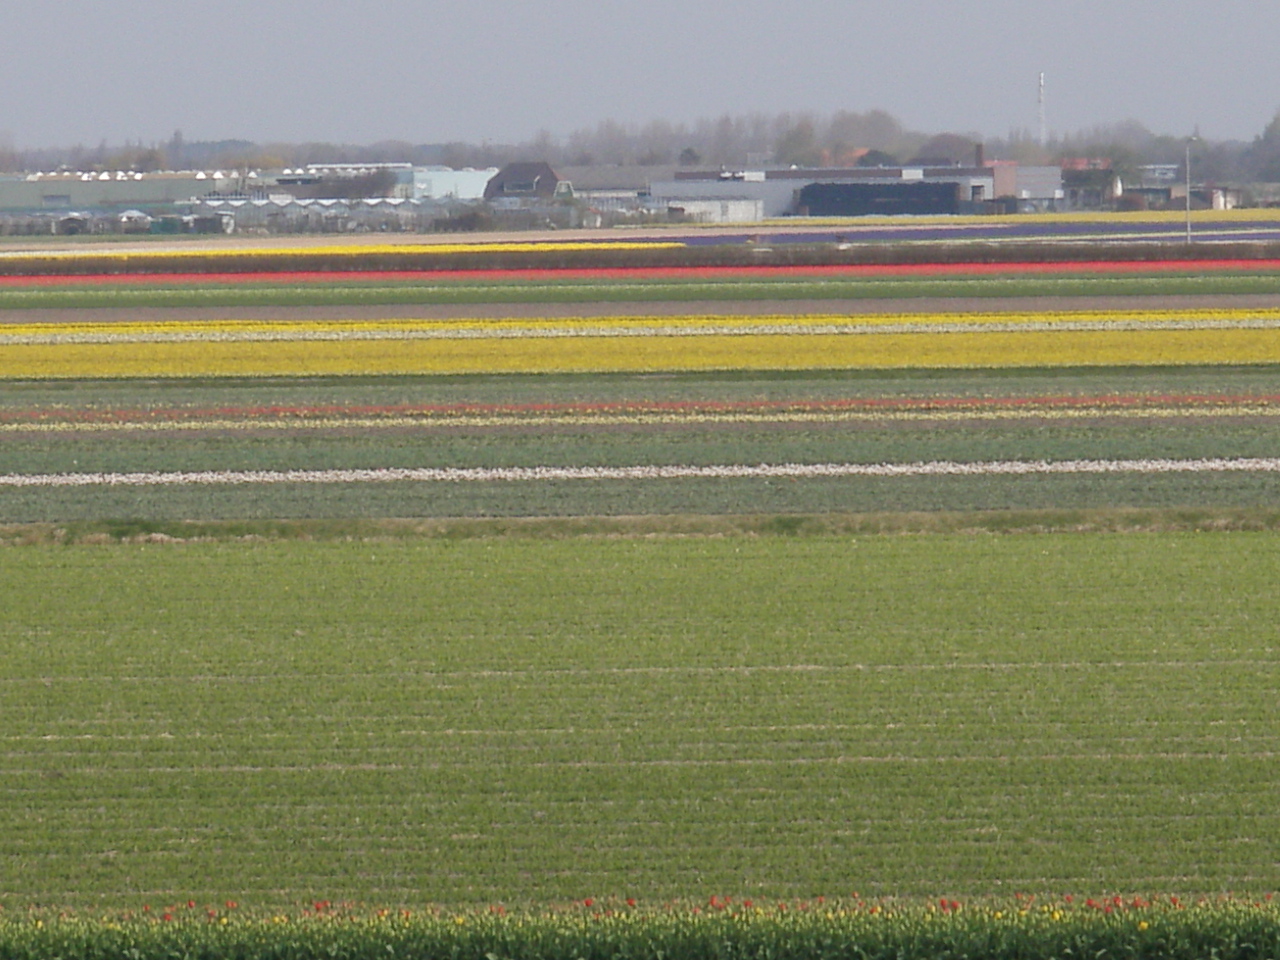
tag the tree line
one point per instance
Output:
(844, 138)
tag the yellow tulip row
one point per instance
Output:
(633, 326)
(593, 353)
(343, 250)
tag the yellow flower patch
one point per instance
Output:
(343, 250)
(638, 344)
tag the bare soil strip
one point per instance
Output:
(680, 526)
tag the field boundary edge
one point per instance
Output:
(709, 526)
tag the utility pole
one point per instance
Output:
(1190, 140)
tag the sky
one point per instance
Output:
(356, 71)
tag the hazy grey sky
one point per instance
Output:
(79, 71)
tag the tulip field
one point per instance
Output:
(521, 600)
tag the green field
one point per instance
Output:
(794, 287)
(519, 721)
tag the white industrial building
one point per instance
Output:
(859, 191)
(116, 190)
(775, 198)
(722, 210)
(781, 192)
(445, 183)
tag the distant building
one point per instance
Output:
(110, 194)
(724, 210)
(1090, 184)
(522, 181)
(1028, 189)
(389, 179)
(870, 198)
(445, 183)
(116, 191)
(776, 197)
(841, 191)
(282, 213)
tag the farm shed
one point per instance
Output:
(527, 181)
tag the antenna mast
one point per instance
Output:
(1044, 127)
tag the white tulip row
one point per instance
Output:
(258, 333)
(675, 472)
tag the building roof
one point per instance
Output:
(535, 179)
(814, 174)
(615, 177)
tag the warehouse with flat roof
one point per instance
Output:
(825, 192)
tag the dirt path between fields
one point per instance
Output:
(644, 309)
(712, 526)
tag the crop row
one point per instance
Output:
(720, 928)
(250, 348)
(543, 474)
(1251, 242)
(672, 273)
(627, 286)
(173, 331)
(178, 255)
(291, 417)
(1117, 496)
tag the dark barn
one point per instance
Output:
(862, 199)
(529, 180)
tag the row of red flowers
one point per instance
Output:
(674, 408)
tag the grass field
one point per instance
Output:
(502, 720)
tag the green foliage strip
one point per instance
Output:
(364, 293)
(720, 929)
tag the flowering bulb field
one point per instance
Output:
(624, 445)
(538, 391)
(505, 601)
(238, 348)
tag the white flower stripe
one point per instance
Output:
(655, 472)
(254, 332)
(516, 333)
(623, 419)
